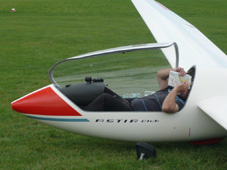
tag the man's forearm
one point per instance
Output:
(169, 105)
(162, 76)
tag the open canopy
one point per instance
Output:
(121, 68)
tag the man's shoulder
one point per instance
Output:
(167, 89)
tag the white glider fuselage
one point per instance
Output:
(189, 124)
(196, 121)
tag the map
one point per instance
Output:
(175, 79)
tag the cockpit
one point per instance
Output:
(130, 72)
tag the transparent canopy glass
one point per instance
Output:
(125, 70)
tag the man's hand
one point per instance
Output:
(181, 71)
(182, 87)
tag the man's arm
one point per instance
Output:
(163, 75)
(169, 105)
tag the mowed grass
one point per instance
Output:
(43, 32)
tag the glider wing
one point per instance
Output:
(216, 108)
(166, 26)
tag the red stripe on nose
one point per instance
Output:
(44, 102)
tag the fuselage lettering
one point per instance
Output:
(126, 121)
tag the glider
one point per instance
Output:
(203, 118)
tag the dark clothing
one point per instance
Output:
(154, 102)
(109, 101)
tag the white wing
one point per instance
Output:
(166, 26)
(216, 108)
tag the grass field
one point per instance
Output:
(43, 32)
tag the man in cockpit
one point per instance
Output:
(167, 99)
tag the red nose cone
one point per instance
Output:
(44, 102)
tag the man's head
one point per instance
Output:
(184, 93)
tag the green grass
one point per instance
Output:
(43, 32)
